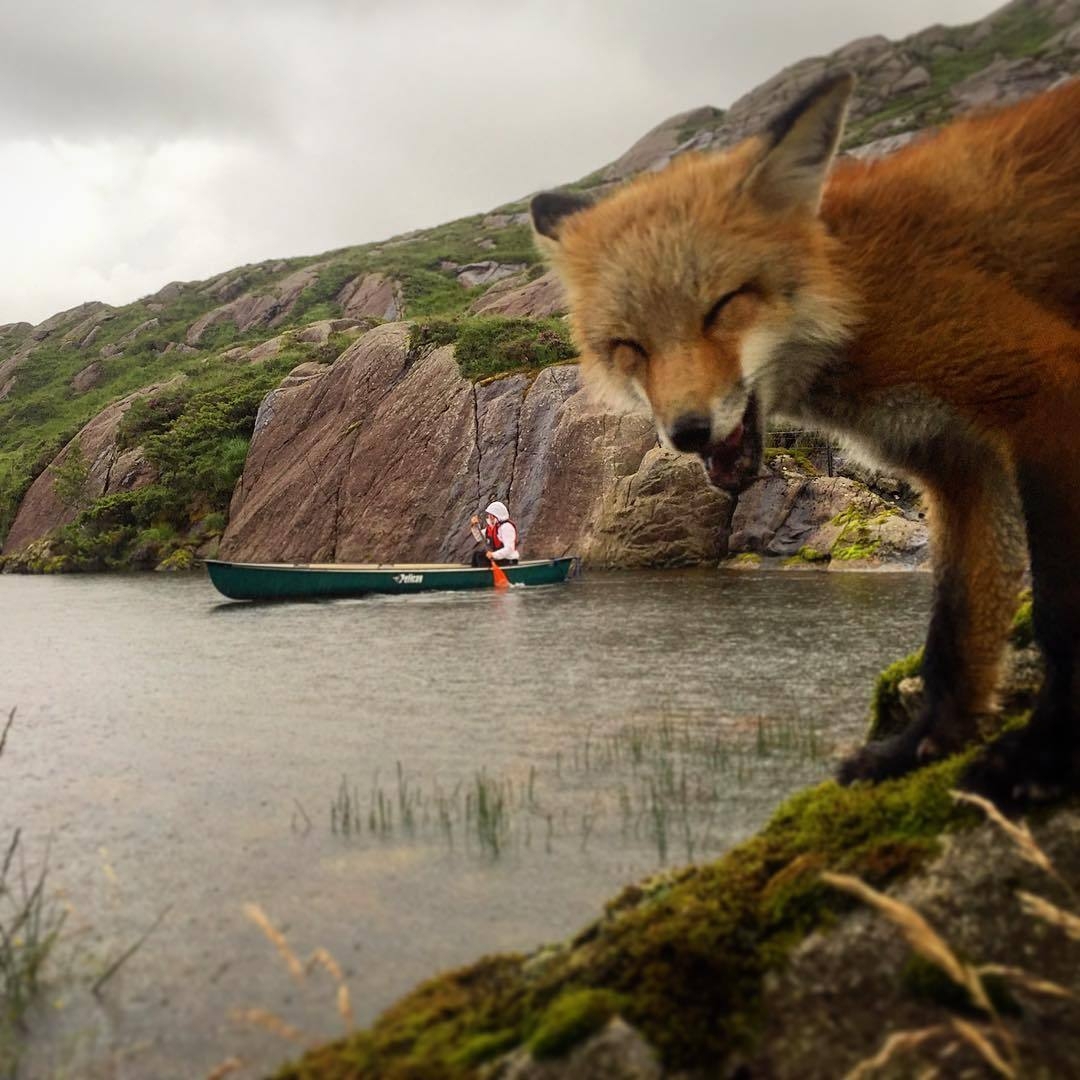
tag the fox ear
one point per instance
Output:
(549, 208)
(800, 144)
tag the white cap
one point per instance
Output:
(498, 511)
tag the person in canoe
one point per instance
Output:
(499, 537)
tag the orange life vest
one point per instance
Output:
(491, 534)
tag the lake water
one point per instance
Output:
(407, 782)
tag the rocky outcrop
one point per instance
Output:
(107, 469)
(659, 143)
(815, 518)
(89, 377)
(891, 73)
(486, 273)
(267, 307)
(372, 295)
(755, 967)
(76, 324)
(352, 463)
(517, 297)
(662, 514)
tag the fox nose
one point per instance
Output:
(691, 432)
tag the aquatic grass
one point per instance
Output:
(659, 785)
(30, 926)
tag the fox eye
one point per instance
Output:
(625, 343)
(716, 310)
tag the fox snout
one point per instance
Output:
(690, 432)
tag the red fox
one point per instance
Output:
(925, 309)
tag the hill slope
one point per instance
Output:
(184, 370)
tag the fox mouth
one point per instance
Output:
(732, 464)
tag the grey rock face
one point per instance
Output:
(372, 295)
(266, 308)
(352, 463)
(514, 297)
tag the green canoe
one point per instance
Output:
(302, 581)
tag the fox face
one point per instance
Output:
(706, 290)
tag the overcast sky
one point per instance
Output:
(143, 141)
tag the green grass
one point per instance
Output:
(490, 346)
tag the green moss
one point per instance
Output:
(799, 455)
(885, 718)
(571, 1018)
(807, 555)
(747, 558)
(484, 1047)
(1022, 632)
(857, 539)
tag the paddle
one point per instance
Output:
(500, 578)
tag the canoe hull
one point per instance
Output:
(285, 581)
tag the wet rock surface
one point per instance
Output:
(353, 464)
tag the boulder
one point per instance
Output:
(268, 307)
(372, 295)
(1004, 81)
(517, 297)
(664, 514)
(89, 377)
(486, 273)
(788, 513)
(318, 333)
(657, 144)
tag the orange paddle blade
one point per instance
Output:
(501, 580)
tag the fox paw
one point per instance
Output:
(884, 759)
(1020, 769)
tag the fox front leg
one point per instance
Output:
(978, 550)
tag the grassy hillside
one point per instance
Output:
(197, 440)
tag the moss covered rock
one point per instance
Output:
(683, 959)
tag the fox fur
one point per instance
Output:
(924, 308)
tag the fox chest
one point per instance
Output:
(902, 429)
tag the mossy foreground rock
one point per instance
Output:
(686, 959)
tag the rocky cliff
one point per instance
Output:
(491, 420)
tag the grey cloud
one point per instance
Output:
(306, 125)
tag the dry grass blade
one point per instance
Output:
(1018, 832)
(900, 1043)
(322, 958)
(277, 939)
(229, 1065)
(344, 1006)
(1027, 981)
(920, 935)
(977, 1039)
(1051, 913)
(268, 1021)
